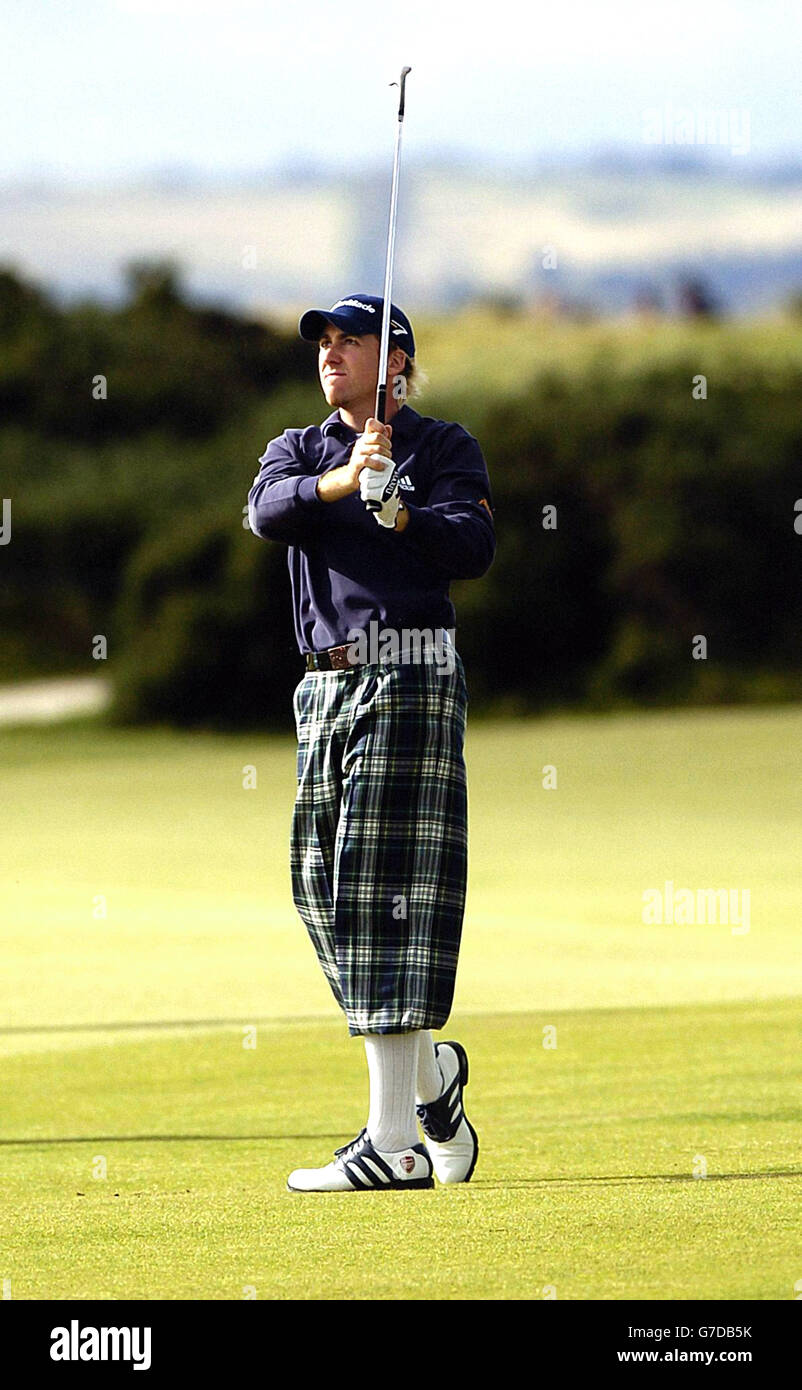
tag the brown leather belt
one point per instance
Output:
(332, 659)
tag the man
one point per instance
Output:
(379, 519)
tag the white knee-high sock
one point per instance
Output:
(430, 1078)
(393, 1068)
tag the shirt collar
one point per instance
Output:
(403, 423)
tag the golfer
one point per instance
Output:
(379, 519)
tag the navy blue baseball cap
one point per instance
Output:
(358, 314)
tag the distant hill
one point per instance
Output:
(603, 232)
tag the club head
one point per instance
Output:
(402, 84)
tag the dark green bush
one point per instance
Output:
(206, 630)
(168, 365)
(675, 518)
(671, 524)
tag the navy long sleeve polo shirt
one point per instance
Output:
(346, 570)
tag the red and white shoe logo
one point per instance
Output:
(408, 1162)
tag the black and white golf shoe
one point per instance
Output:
(358, 1167)
(450, 1137)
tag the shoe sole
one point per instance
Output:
(462, 1058)
(414, 1185)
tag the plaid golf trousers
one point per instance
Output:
(378, 850)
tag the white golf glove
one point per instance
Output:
(382, 488)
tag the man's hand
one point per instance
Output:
(372, 451)
(379, 492)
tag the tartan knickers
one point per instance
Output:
(379, 837)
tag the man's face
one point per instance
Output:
(349, 366)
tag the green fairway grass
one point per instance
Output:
(148, 921)
(585, 1187)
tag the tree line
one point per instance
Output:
(649, 546)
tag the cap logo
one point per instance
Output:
(397, 327)
(355, 303)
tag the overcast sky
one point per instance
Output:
(96, 88)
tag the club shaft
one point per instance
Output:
(384, 341)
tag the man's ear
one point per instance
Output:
(397, 360)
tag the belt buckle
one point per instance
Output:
(338, 656)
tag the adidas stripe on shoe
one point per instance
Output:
(451, 1139)
(359, 1167)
